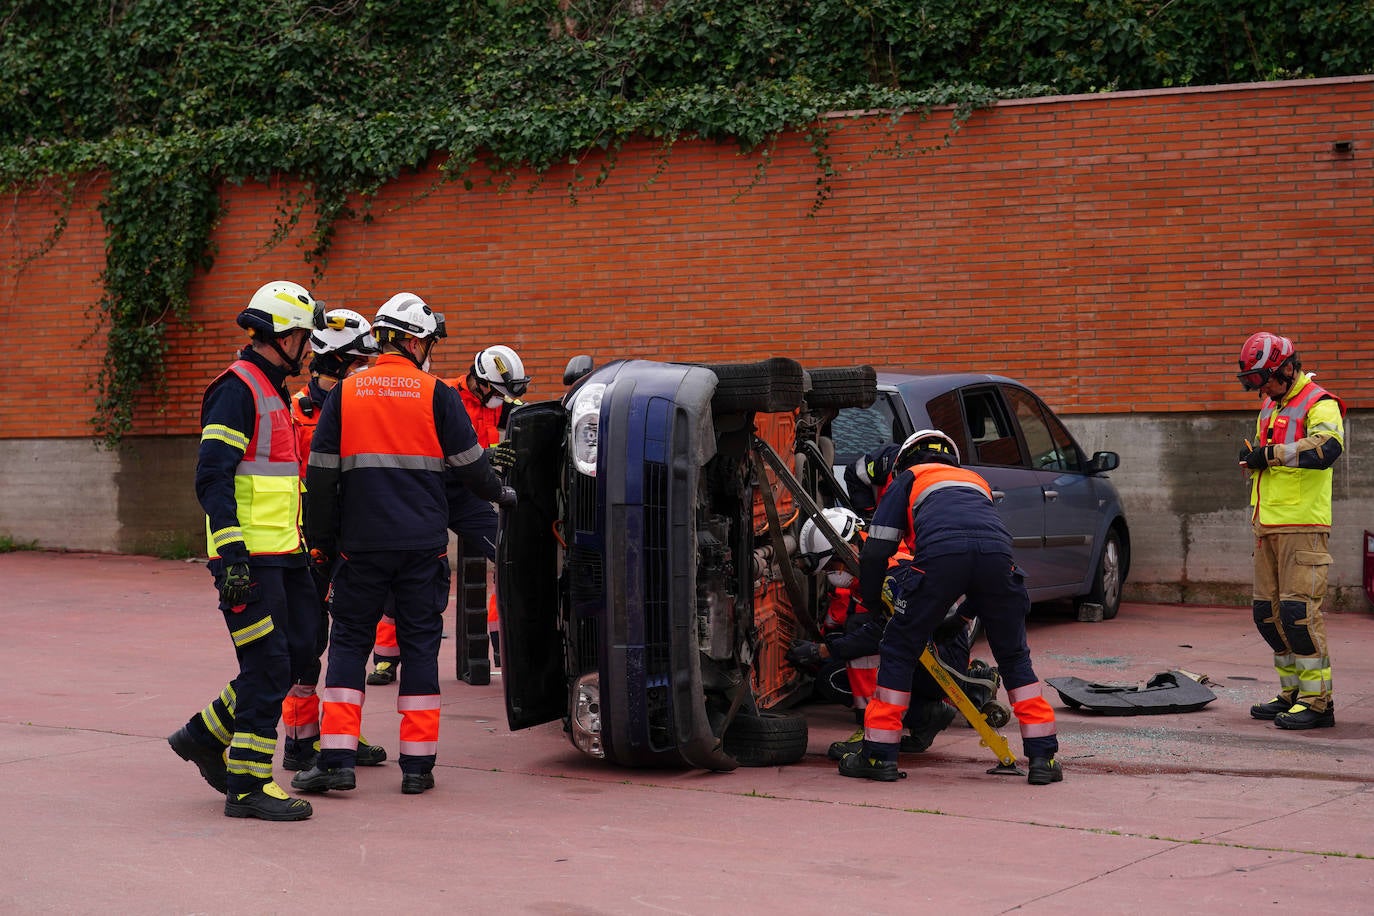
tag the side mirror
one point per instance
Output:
(1102, 462)
(578, 367)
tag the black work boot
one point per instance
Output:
(208, 760)
(1267, 711)
(926, 721)
(1301, 717)
(1044, 770)
(316, 779)
(382, 673)
(415, 783)
(370, 755)
(268, 803)
(299, 755)
(861, 766)
(851, 745)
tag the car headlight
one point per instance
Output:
(586, 427)
(586, 715)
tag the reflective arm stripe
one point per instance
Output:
(225, 536)
(399, 462)
(884, 533)
(466, 457)
(231, 437)
(322, 460)
(866, 661)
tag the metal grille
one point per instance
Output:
(584, 503)
(588, 644)
(657, 604)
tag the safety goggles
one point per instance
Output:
(1254, 379)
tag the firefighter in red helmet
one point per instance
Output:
(1298, 436)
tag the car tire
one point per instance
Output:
(1107, 582)
(767, 739)
(855, 386)
(787, 384)
(741, 387)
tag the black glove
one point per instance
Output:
(805, 655)
(501, 456)
(234, 587)
(855, 622)
(949, 628)
(1256, 458)
(507, 498)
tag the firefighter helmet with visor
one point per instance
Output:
(1261, 356)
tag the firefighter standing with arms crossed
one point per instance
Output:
(345, 344)
(1299, 434)
(959, 547)
(247, 480)
(377, 506)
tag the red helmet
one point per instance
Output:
(1261, 356)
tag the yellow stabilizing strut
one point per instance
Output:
(992, 739)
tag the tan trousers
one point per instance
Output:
(1290, 583)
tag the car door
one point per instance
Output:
(527, 560)
(1070, 498)
(994, 450)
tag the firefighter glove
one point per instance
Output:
(805, 655)
(1256, 458)
(501, 456)
(507, 498)
(234, 587)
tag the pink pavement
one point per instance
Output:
(1202, 812)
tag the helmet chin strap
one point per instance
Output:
(427, 346)
(292, 364)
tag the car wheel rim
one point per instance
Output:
(1111, 574)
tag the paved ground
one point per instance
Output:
(1204, 812)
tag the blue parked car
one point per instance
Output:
(1069, 531)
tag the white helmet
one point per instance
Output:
(813, 541)
(499, 369)
(407, 314)
(279, 307)
(346, 333)
(926, 445)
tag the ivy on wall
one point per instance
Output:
(171, 100)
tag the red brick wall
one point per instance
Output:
(1107, 249)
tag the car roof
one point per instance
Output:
(926, 386)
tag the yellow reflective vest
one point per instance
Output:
(1284, 496)
(267, 483)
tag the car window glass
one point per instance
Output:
(945, 416)
(1051, 446)
(991, 435)
(860, 431)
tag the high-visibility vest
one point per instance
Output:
(267, 483)
(305, 413)
(933, 477)
(1281, 495)
(387, 420)
(485, 420)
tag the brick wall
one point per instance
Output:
(1105, 249)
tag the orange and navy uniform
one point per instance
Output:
(247, 482)
(375, 493)
(866, 479)
(961, 547)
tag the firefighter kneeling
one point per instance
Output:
(961, 548)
